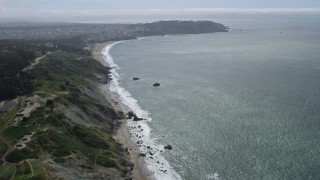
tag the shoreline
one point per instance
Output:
(121, 136)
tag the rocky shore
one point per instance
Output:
(121, 135)
(131, 133)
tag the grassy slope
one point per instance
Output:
(6, 172)
(57, 137)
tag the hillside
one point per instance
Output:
(63, 129)
(178, 27)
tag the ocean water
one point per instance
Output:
(238, 105)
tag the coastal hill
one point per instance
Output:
(55, 123)
(179, 27)
(20, 43)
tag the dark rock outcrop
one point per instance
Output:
(136, 118)
(131, 115)
(169, 147)
(156, 84)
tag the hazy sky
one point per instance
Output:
(157, 4)
(87, 10)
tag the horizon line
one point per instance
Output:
(123, 15)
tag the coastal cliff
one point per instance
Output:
(57, 121)
(68, 131)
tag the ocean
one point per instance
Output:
(238, 105)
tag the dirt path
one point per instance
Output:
(46, 173)
(14, 171)
(36, 61)
(32, 174)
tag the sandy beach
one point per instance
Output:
(122, 133)
(96, 51)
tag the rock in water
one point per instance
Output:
(130, 114)
(169, 147)
(136, 118)
(156, 84)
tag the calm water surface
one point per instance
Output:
(237, 105)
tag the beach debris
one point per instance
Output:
(169, 147)
(156, 84)
(135, 78)
(142, 154)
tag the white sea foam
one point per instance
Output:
(155, 162)
(214, 176)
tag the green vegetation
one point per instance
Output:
(6, 171)
(23, 171)
(60, 71)
(36, 116)
(104, 158)
(14, 133)
(16, 155)
(90, 138)
(38, 171)
(65, 77)
(3, 148)
(5, 117)
(15, 55)
(179, 27)
(78, 140)
(13, 81)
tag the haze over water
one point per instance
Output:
(237, 105)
